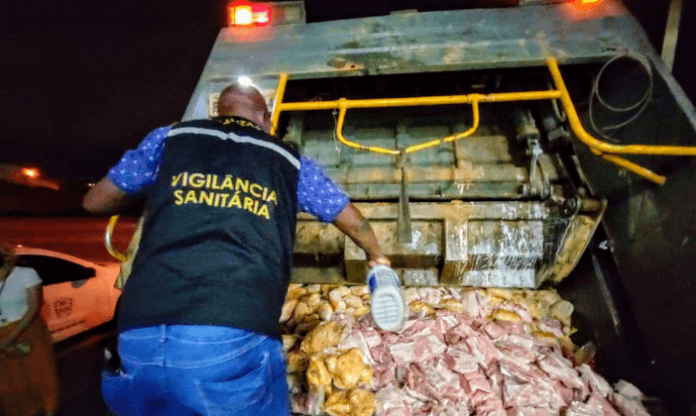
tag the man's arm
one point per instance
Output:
(351, 222)
(135, 172)
(319, 195)
(105, 198)
(35, 295)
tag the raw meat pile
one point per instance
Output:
(460, 352)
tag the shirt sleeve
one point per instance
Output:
(317, 194)
(28, 277)
(138, 168)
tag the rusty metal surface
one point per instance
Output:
(493, 244)
(417, 42)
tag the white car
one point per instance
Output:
(78, 294)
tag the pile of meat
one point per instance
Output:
(460, 352)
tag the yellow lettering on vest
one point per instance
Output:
(235, 201)
(215, 184)
(273, 197)
(176, 179)
(263, 212)
(207, 181)
(179, 195)
(190, 197)
(256, 206)
(265, 193)
(223, 199)
(217, 200)
(243, 184)
(185, 183)
(256, 194)
(197, 180)
(228, 183)
(248, 204)
(207, 198)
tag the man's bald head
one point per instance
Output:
(244, 101)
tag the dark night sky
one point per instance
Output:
(82, 81)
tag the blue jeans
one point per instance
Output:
(197, 370)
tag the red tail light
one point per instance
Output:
(583, 5)
(245, 14)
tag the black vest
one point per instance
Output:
(218, 240)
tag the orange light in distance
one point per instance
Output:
(245, 14)
(30, 172)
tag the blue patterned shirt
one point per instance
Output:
(317, 194)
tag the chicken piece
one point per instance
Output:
(338, 404)
(353, 301)
(562, 310)
(348, 369)
(307, 324)
(289, 341)
(361, 311)
(505, 315)
(301, 310)
(366, 376)
(295, 293)
(545, 337)
(359, 290)
(362, 403)
(325, 335)
(340, 306)
(499, 293)
(313, 288)
(325, 311)
(365, 298)
(451, 305)
(336, 299)
(288, 310)
(326, 289)
(534, 307)
(318, 376)
(297, 361)
(350, 311)
(330, 362)
(418, 306)
(313, 301)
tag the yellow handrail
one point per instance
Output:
(107, 239)
(280, 92)
(603, 149)
(448, 139)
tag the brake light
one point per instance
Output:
(245, 14)
(583, 5)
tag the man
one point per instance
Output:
(198, 321)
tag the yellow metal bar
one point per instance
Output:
(107, 239)
(280, 92)
(604, 147)
(339, 135)
(455, 137)
(420, 101)
(635, 168)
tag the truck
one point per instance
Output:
(539, 144)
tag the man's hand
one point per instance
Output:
(382, 260)
(358, 228)
(105, 198)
